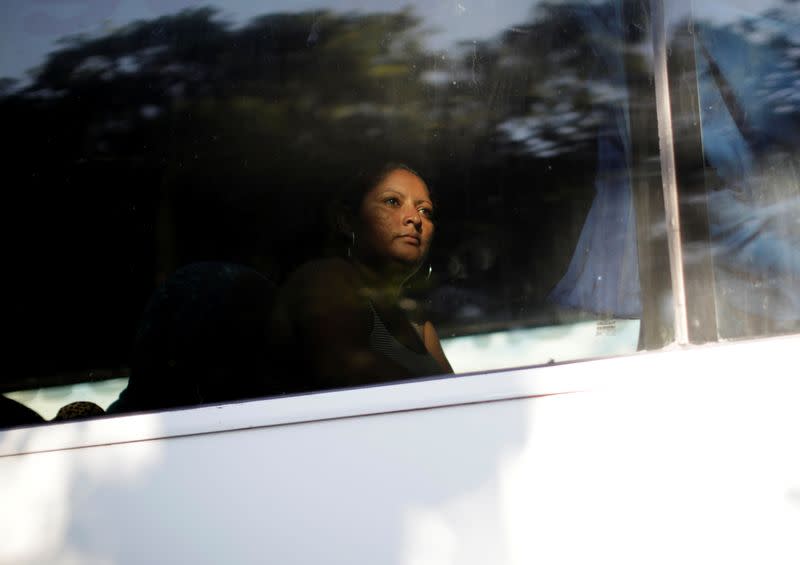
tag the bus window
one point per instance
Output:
(173, 163)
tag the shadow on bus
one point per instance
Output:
(358, 489)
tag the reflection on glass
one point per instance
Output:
(153, 135)
(748, 70)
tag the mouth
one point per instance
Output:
(411, 239)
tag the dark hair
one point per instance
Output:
(368, 178)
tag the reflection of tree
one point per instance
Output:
(555, 79)
(6, 86)
(761, 95)
(185, 137)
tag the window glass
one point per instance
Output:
(174, 165)
(746, 60)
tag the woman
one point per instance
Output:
(339, 321)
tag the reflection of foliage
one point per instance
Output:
(244, 106)
(202, 140)
(6, 86)
(766, 87)
(555, 81)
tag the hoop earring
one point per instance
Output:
(352, 245)
(430, 270)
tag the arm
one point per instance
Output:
(333, 322)
(434, 346)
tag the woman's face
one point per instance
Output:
(395, 222)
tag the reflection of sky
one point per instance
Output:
(30, 28)
(726, 11)
(721, 13)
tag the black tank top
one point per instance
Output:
(383, 342)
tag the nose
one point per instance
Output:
(414, 218)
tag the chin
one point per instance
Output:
(408, 265)
(413, 260)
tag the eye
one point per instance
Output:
(425, 211)
(392, 201)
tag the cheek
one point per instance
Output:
(377, 226)
(427, 234)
